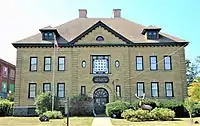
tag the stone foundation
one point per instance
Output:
(24, 111)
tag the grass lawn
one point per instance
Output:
(181, 122)
(34, 121)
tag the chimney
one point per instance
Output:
(82, 13)
(117, 13)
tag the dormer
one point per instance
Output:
(49, 33)
(151, 32)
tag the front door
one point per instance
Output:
(100, 99)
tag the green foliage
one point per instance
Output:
(53, 115)
(144, 115)
(196, 110)
(117, 108)
(171, 104)
(188, 104)
(81, 105)
(11, 97)
(6, 107)
(194, 91)
(163, 114)
(43, 103)
(193, 69)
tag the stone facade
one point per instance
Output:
(126, 76)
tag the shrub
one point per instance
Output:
(117, 108)
(6, 107)
(81, 105)
(44, 103)
(163, 114)
(53, 115)
(196, 110)
(11, 97)
(145, 115)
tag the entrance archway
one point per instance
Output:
(101, 97)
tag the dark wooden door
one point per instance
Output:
(100, 99)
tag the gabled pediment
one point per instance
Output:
(100, 33)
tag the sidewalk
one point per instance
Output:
(101, 121)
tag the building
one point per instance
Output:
(7, 78)
(105, 58)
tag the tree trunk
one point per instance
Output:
(191, 119)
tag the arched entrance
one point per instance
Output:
(100, 97)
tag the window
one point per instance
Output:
(32, 90)
(47, 63)
(117, 63)
(61, 90)
(83, 64)
(5, 71)
(153, 63)
(33, 63)
(152, 35)
(154, 89)
(167, 63)
(169, 89)
(61, 63)
(118, 91)
(139, 63)
(11, 88)
(4, 87)
(12, 74)
(99, 38)
(83, 90)
(46, 87)
(140, 89)
(48, 36)
(100, 64)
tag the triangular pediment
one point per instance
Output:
(100, 33)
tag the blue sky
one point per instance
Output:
(23, 18)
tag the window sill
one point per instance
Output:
(47, 70)
(32, 70)
(61, 70)
(31, 98)
(101, 74)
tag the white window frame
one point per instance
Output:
(118, 90)
(47, 63)
(83, 90)
(154, 89)
(153, 63)
(139, 63)
(169, 89)
(61, 63)
(140, 89)
(33, 65)
(32, 90)
(100, 64)
(167, 63)
(45, 85)
(5, 71)
(60, 90)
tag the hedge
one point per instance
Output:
(6, 107)
(114, 109)
(144, 115)
(53, 115)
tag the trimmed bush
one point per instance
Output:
(144, 115)
(43, 103)
(53, 115)
(6, 107)
(175, 105)
(116, 108)
(163, 114)
(81, 105)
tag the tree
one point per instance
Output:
(194, 91)
(189, 105)
(44, 103)
(192, 69)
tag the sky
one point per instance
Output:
(23, 18)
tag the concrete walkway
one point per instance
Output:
(101, 121)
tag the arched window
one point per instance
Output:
(99, 38)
